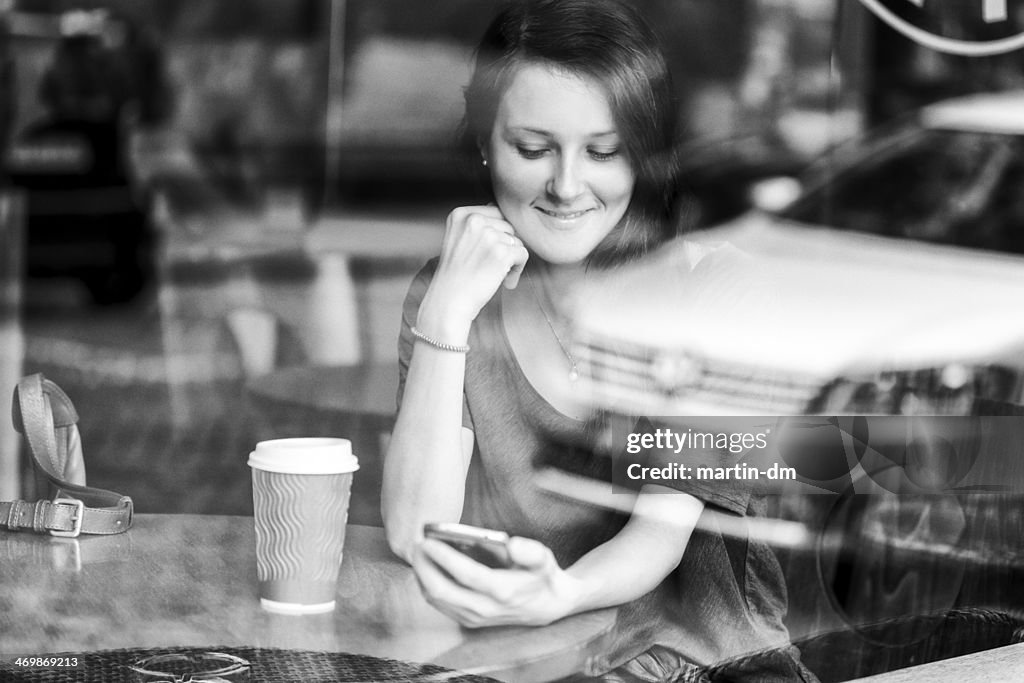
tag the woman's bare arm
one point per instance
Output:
(537, 591)
(429, 452)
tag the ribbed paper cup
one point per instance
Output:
(300, 491)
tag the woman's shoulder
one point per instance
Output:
(421, 281)
(427, 271)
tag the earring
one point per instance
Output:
(485, 162)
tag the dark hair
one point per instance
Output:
(609, 42)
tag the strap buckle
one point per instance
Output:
(77, 518)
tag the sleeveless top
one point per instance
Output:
(727, 598)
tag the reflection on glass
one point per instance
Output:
(940, 186)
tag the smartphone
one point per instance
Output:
(486, 546)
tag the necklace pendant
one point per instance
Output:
(574, 375)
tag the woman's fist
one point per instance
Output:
(480, 252)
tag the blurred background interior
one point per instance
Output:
(210, 211)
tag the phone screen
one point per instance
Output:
(488, 547)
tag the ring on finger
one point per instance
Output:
(511, 240)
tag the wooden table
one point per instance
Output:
(188, 580)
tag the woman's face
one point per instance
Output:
(559, 171)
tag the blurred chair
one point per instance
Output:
(280, 290)
(231, 319)
(239, 294)
(12, 342)
(305, 315)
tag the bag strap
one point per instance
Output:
(39, 408)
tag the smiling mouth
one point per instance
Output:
(563, 215)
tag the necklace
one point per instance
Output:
(574, 373)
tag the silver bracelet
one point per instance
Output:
(437, 344)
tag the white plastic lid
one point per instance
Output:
(304, 456)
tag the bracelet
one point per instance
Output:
(437, 344)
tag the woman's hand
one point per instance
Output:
(535, 592)
(480, 252)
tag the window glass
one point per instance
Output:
(947, 187)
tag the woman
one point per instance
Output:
(570, 112)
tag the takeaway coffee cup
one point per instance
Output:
(300, 491)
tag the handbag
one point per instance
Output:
(45, 416)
